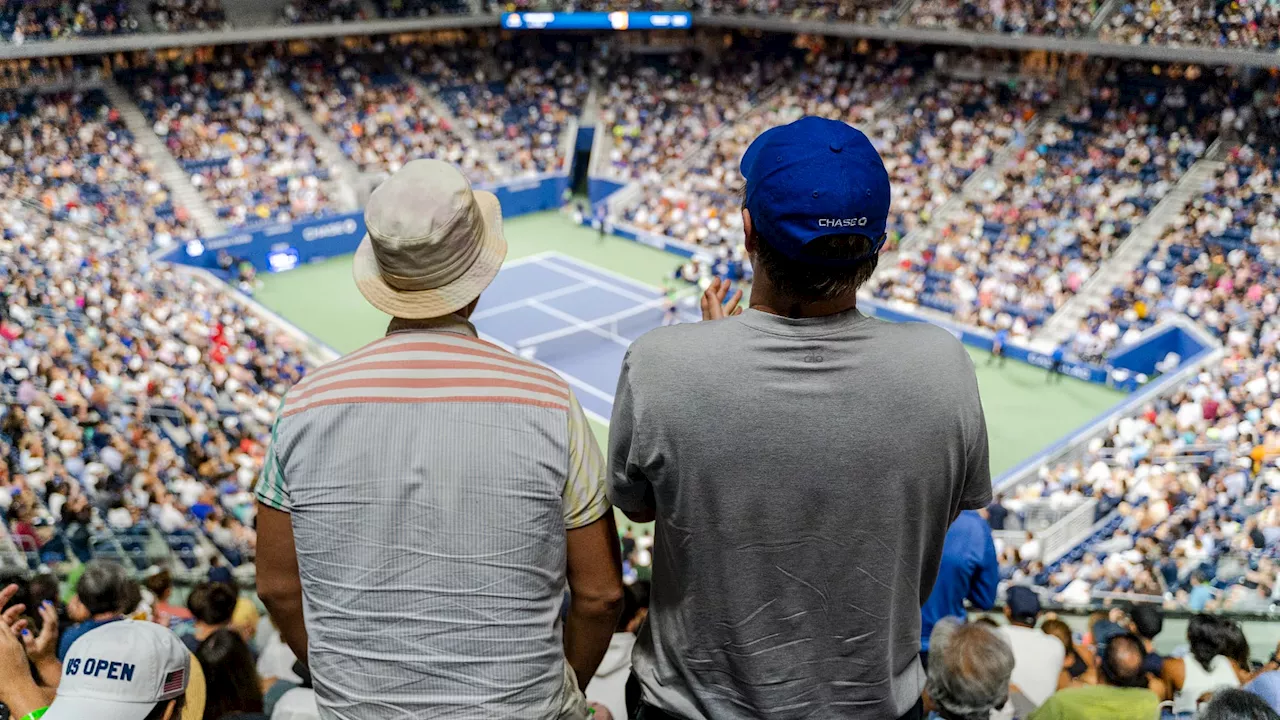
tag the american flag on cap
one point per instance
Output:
(174, 681)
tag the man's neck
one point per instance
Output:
(449, 323)
(766, 300)
(103, 617)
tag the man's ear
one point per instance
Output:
(749, 231)
(169, 713)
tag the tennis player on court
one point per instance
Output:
(802, 460)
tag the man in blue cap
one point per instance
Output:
(802, 460)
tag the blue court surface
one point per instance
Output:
(574, 317)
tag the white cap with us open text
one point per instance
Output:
(121, 671)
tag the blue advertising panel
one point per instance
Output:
(283, 246)
(619, 20)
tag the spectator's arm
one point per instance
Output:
(982, 593)
(629, 490)
(595, 595)
(594, 553)
(279, 583)
(17, 688)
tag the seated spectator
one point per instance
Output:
(100, 593)
(160, 585)
(1038, 657)
(1207, 669)
(235, 690)
(1121, 694)
(1148, 622)
(1077, 666)
(970, 666)
(213, 605)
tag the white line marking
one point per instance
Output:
(524, 302)
(583, 385)
(534, 258)
(623, 292)
(582, 264)
(578, 324)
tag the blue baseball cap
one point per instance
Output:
(815, 178)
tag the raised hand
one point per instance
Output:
(714, 306)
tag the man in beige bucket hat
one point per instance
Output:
(428, 497)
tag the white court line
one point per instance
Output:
(553, 255)
(623, 292)
(583, 385)
(536, 257)
(524, 302)
(585, 325)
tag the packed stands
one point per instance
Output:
(227, 123)
(59, 19)
(314, 11)
(659, 111)
(860, 11)
(1025, 242)
(188, 15)
(1245, 25)
(1059, 18)
(70, 154)
(143, 399)
(422, 8)
(514, 102)
(955, 128)
(379, 120)
(1218, 264)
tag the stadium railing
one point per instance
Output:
(1060, 537)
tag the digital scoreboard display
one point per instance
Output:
(620, 20)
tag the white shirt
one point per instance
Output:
(1037, 660)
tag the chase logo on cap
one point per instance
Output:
(812, 179)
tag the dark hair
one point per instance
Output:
(853, 260)
(1148, 620)
(101, 588)
(1121, 663)
(1207, 637)
(1236, 704)
(157, 712)
(130, 597)
(1234, 644)
(160, 584)
(231, 680)
(212, 603)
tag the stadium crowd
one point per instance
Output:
(227, 122)
(69, 153)
(1031, 236)
(59, 19)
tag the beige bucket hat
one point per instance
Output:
(432, 244)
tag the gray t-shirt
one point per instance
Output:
(804, 473)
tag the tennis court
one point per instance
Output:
(572, 316)
(561, 279)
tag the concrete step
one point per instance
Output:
(170, 172)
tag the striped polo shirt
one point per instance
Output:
(430, 477)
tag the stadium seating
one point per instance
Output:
(143, 399)
(1027, 241)
(58, 19)
(80, 165)
(228, 124)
